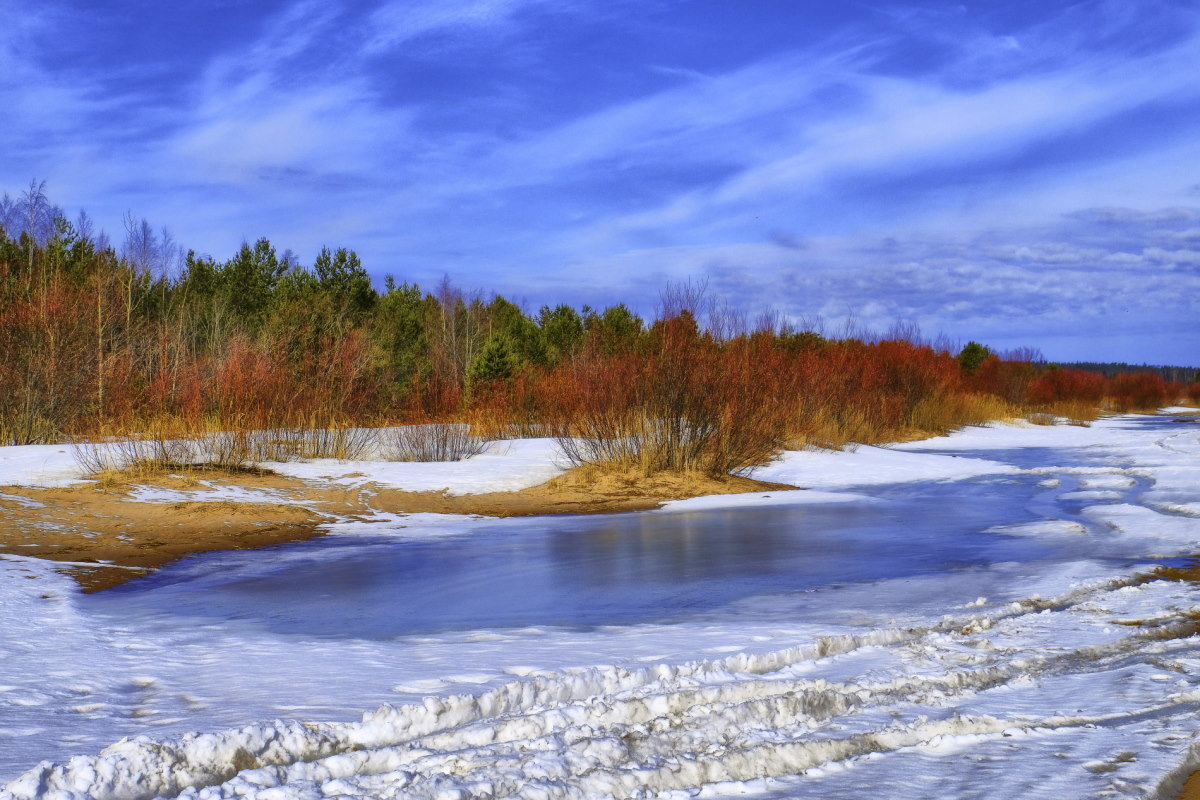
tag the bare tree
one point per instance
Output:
(905, 330)
(10, 215)
(768, 321)
(148, 255)
(1030, 354)
(462, 327)
(31, 214)
(137, 251)
(725, 321)
(141, 243)
(689, 296)
(39, 214)
(85, 229)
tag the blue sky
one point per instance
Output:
(1021, 173)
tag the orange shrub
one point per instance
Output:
(1139, 391)
(1063, 385)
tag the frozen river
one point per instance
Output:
(956, 617)
(586, 571)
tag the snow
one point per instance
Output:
(1039, 678)
(508, 465)
(868, 466)
(42, 465)
(761, 500)
(836, 706)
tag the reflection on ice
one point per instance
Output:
(587, 571)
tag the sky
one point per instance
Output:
(1018, 173)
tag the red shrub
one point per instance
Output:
(1066, 385)
(1139, 390)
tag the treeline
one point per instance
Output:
(1184, 375)
(100, 339)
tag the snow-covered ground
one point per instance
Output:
(504, 466)
(1040, 678)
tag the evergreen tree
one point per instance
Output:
(341, 275)
(563, 330)
(971, 357)
(248, 280)
(615, 330)
(400, 328)
(497, 360)
(523, 335)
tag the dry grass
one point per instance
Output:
(341, 442)
(167, 446)
(436, 441)
(26, 428)
(122, 538)
(944, 412)
(1077, 412)
(836, 428)
(630, 441)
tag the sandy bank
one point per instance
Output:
(107, 534)
(125, 536)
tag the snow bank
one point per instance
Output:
(45, 465)
(508, 465)
(867, 466)
(762, 500)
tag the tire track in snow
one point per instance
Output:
(627, 719)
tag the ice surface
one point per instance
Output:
(1039, 677)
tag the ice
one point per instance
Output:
(1043, 528)
(1068, 673)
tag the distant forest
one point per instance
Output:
(100, 337)
(1113, 369)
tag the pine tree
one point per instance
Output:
(971, 357)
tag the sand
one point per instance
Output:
(125, 538)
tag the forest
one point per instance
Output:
(145, 340)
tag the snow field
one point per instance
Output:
(620, 731)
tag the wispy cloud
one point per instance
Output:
(399, 23)
(897, 128)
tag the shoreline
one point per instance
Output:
(130, 525)
(130, 529)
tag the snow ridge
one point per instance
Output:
(595, 731)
